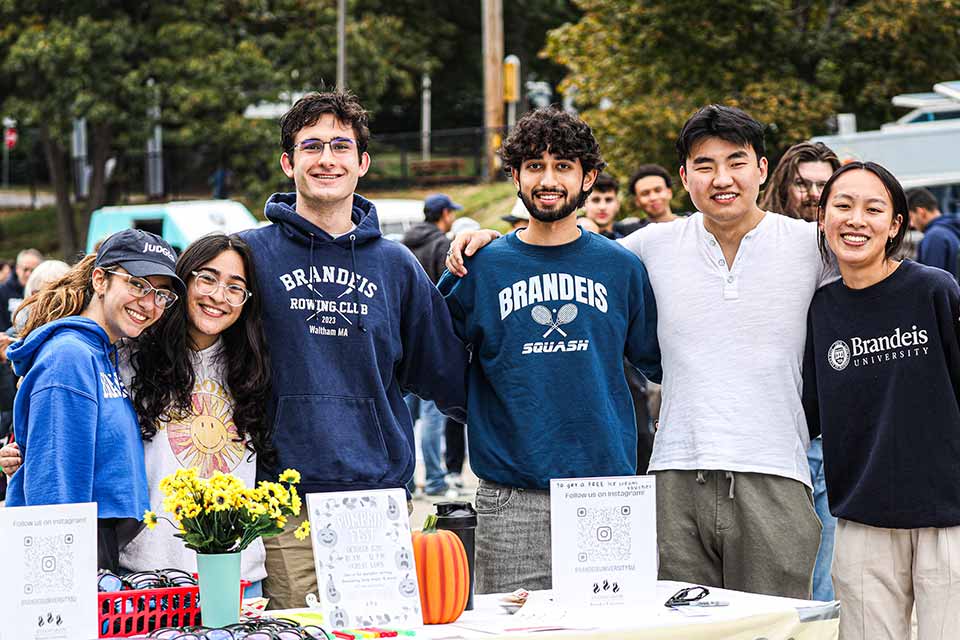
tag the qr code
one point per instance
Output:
(603, 534)
(48, 564)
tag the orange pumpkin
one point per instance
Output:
(442, 573)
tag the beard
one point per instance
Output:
(569, 206)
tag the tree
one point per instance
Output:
(641, 67)
(201, 61)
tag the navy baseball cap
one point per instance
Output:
(437, 202)
(141, 254)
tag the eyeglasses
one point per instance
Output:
(257, 629)
(809, 185)
(207, 285)
(140, 288)
(686, 596)
(158, 579)
(338, 146)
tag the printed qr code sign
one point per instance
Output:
(603, 534)
(48, 564)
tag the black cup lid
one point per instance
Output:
(462, 512)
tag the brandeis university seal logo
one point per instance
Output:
(838, 355)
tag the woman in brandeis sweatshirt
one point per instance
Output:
(882, 381)
(73, 418)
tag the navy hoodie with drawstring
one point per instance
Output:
(940, 244)
(75, 424)
(352, 323)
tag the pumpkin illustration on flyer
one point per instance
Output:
(364, 558)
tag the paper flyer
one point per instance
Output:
(364, 558)
(604, 541)
(49, 586)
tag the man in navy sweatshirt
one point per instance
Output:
(941, 234)
(545, 309)
(352, 323)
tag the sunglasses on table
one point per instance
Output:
(258, 629)
(156, 579)
(686, 596)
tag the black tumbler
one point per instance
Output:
(460, 518)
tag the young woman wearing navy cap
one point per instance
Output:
(73, 419)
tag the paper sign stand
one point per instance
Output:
(604, 542)
(363, 556)
(49, 585)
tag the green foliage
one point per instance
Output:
(790, 63)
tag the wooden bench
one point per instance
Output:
(434, 171)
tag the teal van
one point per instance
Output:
(179, 223)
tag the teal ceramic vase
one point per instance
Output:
(219, 588)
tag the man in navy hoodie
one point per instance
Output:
(545, 307)
(352, 324)
(941, 234)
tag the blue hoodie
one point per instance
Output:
(352, 323)
(75, 424)
(941, 240)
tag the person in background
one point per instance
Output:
(429, 243)
(941, 234)
(603, 205)
(11, 292)
(652, 191)
(881, 382)
(518, 218)
(794, 190)
(73, 418)
(797, 182)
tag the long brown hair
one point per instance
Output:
(67, 296)
(776, 197)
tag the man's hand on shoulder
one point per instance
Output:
(467, 243)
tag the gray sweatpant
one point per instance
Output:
(744, 531)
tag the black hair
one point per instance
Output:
(717, 121)
(776, 197)
(432, 215)
(553, 130)
(897, 197)
(920, 197)
(163, 358)
(645, 170)
(605, 183)
(308, 110)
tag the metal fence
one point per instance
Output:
(399, 160)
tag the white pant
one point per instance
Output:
(879, 573)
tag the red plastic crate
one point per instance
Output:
(122, 614)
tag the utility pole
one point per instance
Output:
(425, 119)
(341, 44)
(492, 82)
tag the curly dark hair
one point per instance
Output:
(776, 197)
(162, 361)
(344, 106)
(554, 130)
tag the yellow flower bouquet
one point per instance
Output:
(222, 515)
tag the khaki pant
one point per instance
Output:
(879, 574)
(744, 531)
(291, 572)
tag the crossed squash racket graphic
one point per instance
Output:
(543, 316)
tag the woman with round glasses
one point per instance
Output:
(199, 381)
(72, 416)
